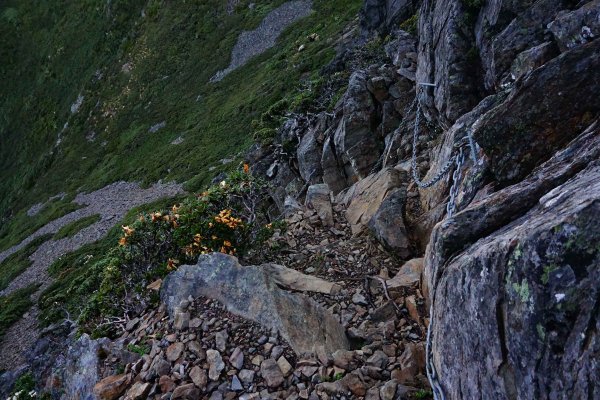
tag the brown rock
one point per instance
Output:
(199, 377)
(138, 391)
(409, 275)
(112, 387)
(174, 351)
(367, 195)
(166, 384)
(411, 305)
(354, 383)
(188, 392)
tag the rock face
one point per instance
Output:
(383, 15)
(444, 42)
(577, 27)
(250, 292)
(533, 287)
(551, 107)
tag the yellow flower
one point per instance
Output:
(123, 241)
(142, 218)
(197, 238)
(175, 208)
(227, 243)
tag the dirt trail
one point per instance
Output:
(111, 203)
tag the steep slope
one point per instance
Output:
(120, 91)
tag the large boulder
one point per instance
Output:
(554, 104)
(310, 150)
(518, 273)
(387, 225)
(444, 40)
(506, 28)
(577, 27)
(354, 141)
(379, 16)
(252, 293)
(365, 197)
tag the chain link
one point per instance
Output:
(415, 173)
(457, 160)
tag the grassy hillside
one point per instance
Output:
(84, 82)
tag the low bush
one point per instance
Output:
(227, 218)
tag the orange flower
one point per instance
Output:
(172, 264)
(128, 231)
(123, 241)
(246, 168)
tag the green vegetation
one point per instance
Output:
(411, 25)
(134, 72)
(422, 394)
(101, 280)
(18, 262)
(78, 274)
(13, 306)
(21, 225)
(76, 226)
(139, 349)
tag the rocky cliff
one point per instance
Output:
(507, 128)
(441, 196)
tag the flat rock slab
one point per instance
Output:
(252, 293)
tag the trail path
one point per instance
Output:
(111, 203)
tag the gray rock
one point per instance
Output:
(532, 58)
(181, 320)
(318, 197)
(333, 171)
(246, 375)
(250, 292)
(506, 28)
(237, 358)
(387, 225)
(444, 40)
(221, 340)
(309, 155)
(271, 373)
(216, 364)
(236, 385)
(381, 16)
(577, 27)
(549, 109)
(526, 266)
(356, 147)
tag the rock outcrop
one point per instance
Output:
(251, 292)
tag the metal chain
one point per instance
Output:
(456, 175)
(415, 174)
(457, 160)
